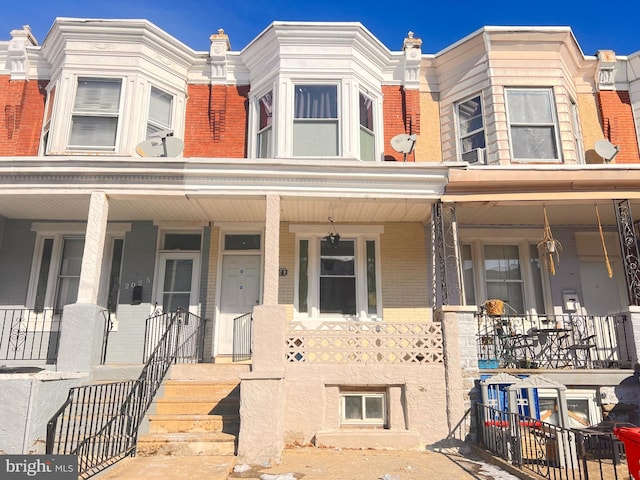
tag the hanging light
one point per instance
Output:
(333, 237)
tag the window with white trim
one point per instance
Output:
(265, 126)
(95, 115)
(338, 281)
(509, 272)
(367, 136)
(363, 409)
(160, 112)
(471, 130)
(315, 121)
(533, 124)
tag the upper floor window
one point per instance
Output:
(471, 130)
(96, 110)
(160, 112)
(532, 124)
(367, 137)
(315, 122)
(265, 126)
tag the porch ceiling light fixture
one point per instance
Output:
(333, 237)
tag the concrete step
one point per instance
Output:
(187, 444)
(189, 405)
(194, 423)
(215, 372)
(196, 388)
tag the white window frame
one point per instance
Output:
(553, 123)
(98, 114)
(588, 395)
(154, 124)
(478, 241)
(338, 121)
(268, 131)
(577, 132)
(365, 421)
(461, 137)
(360, 235)
(364, 130)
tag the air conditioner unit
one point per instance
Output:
(474, 156)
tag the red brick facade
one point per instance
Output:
(401, 115)
(21, 113)
(618, 124)
(216, 121)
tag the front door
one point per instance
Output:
(240, 292)
(177, 285)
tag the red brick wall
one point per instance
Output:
(21, 115)
(618, 124)
(216, 121)
(401, 115)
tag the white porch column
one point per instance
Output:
(272, 250)
(93, 249)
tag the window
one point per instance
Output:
(509, 272)
(94, 120)
(265, 126)
(471, 130)
(367, 137)
(577, 132)
(339, 282)
(47, 120)
(532, 124)
(363, 408)
(160, 111)
(315, 122)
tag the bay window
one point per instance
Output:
(367, 137)
(160, 112)
(471, 130)
(532, 124)
(95, 114)
(265, 126)
(315, 121)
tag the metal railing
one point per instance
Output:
(548, 450)
(242, 336)
(558, 341)
(27, 334)
(99, 423)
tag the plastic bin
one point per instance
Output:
(631, 439)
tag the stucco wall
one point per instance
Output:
(428, 147)
(312, 402)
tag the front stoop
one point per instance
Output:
(195, 413)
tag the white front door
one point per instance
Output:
(602, 295)
(240, 292)
(177, 281)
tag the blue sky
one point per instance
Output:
(596, 24)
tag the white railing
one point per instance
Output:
(364, 342)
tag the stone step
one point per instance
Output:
(186, 444)
(195, 388)
(194, 423)
(190, 405)
(216, 372)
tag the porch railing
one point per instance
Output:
(31, 335)
(242, 336)
(99, 423)
(548, 450)
(561, 341)
(365, 342)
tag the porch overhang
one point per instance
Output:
(199, 189)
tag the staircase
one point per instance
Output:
(196, 412)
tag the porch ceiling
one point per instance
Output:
(531, 213)
(216, 209)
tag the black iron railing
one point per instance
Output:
(99, 423)
(242, 336)
(573, 341)
(190, 336)
(548, 450)
(27, 334)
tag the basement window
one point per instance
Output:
(363, 409)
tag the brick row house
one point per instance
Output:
(358, 212)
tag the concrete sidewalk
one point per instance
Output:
(313, 463)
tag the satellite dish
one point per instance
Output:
(403, 143)
(162, 144)
(606, 150)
